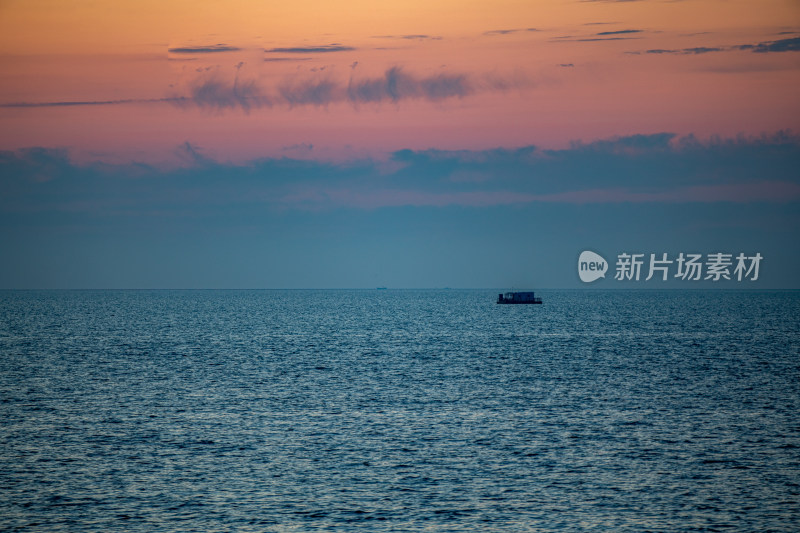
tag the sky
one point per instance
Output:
(412, 144)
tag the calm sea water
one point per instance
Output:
(399, 411)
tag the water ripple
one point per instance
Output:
(399, 411)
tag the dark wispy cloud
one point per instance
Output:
(595, 39)
(701, 50)
(686, 51)
(311, 49)
(420, 37)
(509, 31)
(75, 103)
(618, 32)
(615, 35)
(319, 92)
(216, 94)
(396, 85)
(781, 45)
(410, 37)
(213, 93)
(659, 168)
(208, 49)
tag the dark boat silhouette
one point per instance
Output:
(518, 298)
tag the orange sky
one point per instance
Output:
(588, 71)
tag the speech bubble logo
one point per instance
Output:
(591, 266)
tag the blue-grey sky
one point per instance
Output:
(484, 218)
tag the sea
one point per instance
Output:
(399, 410)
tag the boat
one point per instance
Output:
(518, 298)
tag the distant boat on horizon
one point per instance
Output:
(380, 288)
